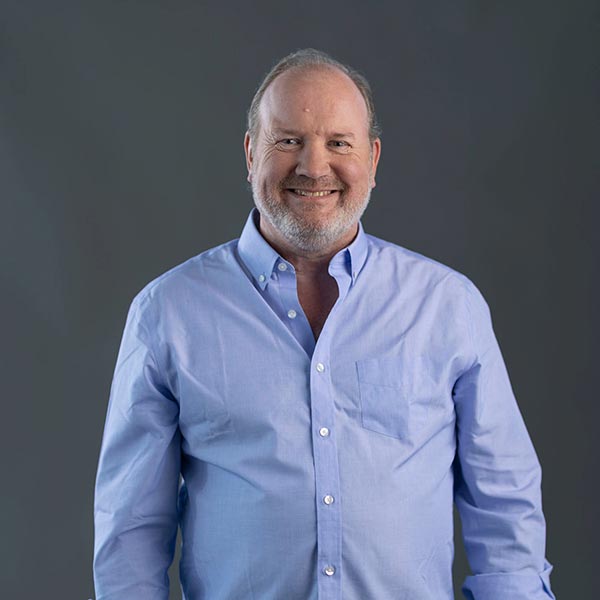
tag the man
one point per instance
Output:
(324, 394)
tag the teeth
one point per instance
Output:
(312, 194)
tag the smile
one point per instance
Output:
(317, 194)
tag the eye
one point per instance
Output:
(288, 142)
(340, 144)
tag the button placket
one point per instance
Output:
(327, 481)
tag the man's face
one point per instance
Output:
(312, 166)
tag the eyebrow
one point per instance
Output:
(294, 133)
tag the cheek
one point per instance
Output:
(274, 170)
(354, 174)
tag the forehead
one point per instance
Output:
(315, 99)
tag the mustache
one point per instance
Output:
(307, 183)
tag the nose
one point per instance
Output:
(313, 161)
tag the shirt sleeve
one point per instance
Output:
(497, 476)
(138, 476)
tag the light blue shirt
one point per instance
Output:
(315, 470)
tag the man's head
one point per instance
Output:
(312, 149)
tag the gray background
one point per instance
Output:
(121, 129)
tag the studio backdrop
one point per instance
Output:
(121, 128)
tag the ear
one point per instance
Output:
(376, 153)
(248, 153)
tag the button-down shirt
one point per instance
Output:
(315, 470)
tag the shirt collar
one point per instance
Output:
(260, 258)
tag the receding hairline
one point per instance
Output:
(308, 59)
(300, 70)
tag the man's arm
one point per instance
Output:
(497, 477)
(138, 476)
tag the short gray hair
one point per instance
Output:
(304, 59)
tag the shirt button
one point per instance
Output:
(261, 278)
(329, 570)
(328, 499)
(320, 367)
(282, 267)
(292, 313)
(323, 432)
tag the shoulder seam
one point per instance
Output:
(145, 292)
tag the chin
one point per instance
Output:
(314, 228)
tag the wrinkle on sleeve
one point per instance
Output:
(138, 475)
(497, 476)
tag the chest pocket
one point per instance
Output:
(395, 394)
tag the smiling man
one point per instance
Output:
(326, 396)
(312, 161)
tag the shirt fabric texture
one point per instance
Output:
(315, 470)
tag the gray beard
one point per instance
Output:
(305, 236)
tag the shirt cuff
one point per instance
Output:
(516, 586)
